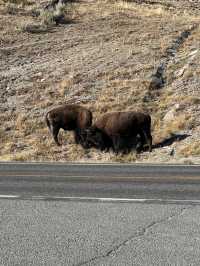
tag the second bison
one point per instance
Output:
(68, 117)
(120, 131)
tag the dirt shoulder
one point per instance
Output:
(104, 58)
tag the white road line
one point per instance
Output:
(9, 196)
(94, 199)
(89, 199)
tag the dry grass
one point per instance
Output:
(105, 62)
(124, 158)
(39, 20)
(179, 123)
(33, 28)
(163, 130)
(191, 100)
(146, 10)
(18, 2)
(190, 149)
(67, 84)
(47, 17)
(20, 122)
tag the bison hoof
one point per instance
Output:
(58, 144)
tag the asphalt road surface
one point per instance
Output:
(100, 181)
(62, 214)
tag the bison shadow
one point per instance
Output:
(169, 141)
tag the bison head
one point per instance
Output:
(94, 137)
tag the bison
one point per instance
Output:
(68, 117)
(119, 131)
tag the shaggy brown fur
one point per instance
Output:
(122, 128)
(68, 117)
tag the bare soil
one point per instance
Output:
(105, 58)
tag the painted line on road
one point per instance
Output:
(9, 196)
(100, 178)
(105, 200)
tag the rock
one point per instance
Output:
(156, 83)
(169, 116)
(180, 72)
(177, 106)
(157, 80)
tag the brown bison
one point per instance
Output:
(68, 117)
(119, 131)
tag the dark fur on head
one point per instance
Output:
(98, 139)
(94, 137)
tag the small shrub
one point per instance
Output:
(47, 17)
(61, 14)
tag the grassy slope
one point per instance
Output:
(104, 59)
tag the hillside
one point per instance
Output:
(103, 55)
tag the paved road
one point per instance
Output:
(104, 234)
(94, 219)
(99, 170)
(151, 182)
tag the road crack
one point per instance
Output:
(142, 232)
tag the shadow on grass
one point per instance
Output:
(169, 141)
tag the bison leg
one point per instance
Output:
(55, 131)
(141, 142)
(139, 146)
(146, 138)
(77, 137)
(116, 144)
(80, 137)
(120, 145)
(125, 144)
(150, 142)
